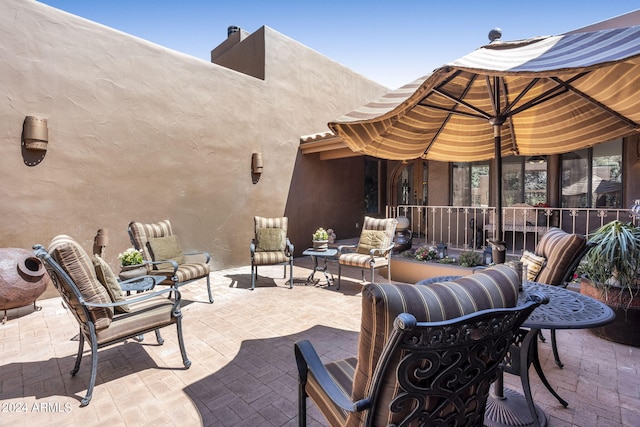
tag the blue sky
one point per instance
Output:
(390, 42)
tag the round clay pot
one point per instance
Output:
(23, 278)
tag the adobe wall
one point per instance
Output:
(141, 132)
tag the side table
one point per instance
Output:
(141, 284)
(325, 255)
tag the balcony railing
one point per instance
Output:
(469, 227)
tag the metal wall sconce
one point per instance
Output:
(35, 134)
(34, 140)
(441, 248)
(256, 166)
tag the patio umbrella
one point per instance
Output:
(546, 95)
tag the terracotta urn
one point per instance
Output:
(23, 278)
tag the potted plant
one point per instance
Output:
(131, 264)
(321, 240)
(611, 270)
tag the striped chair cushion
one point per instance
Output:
(360, 260)
(140, 234)
(186, 272)
(261, 222)
(494, 287)
(75, 261)
(342, 374)
(387, 225)
(270, 258)
(559, 248)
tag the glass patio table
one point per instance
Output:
(566, 310)
(325, 255)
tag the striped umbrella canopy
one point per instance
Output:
(546, 95)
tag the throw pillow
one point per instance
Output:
(110, 282)
(165, 249)
(534, 264)
(270, 239)
(371, 239)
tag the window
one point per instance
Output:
(371, 186)
(593, 177)
(470, 184)
(524, 180)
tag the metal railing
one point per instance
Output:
(469, 227)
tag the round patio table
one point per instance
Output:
(566, 310)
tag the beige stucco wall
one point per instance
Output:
(141, 132)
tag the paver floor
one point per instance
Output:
(243, 371)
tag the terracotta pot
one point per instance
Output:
(625, 329)
(23, 278)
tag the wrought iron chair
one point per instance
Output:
(427, 355)
(163, 255)
(271, 246)
(562, 253)
(74, 276)
(373, 250)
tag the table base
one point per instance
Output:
(511, 410)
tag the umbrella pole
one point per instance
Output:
(498, 246)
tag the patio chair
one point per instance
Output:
(104, 316)
(373, 250)
(557, 256)
(427, 355)
(163, 255)
(271, 246)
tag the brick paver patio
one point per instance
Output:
(243, 371)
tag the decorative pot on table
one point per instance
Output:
(320, 245)
(130, 271)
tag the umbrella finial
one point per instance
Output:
(495, 34)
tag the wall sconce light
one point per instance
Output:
(35, 134)
(442, 250)
(256, 163)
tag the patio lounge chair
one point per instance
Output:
(373, 250)
(271, 246)
(163, 255)
(558, 255)
(104, 316)
(427, 355)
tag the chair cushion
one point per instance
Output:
(342, 373)
(355, 259)
(270, 258)
(75, 261)
(262, 222)
(186, 272)
(559, 248)
(371, 239)
(534, 264)
(140, 234)
(270, 239)
(146, 315)
(495, 287)
(110, 282)
(165, 248)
